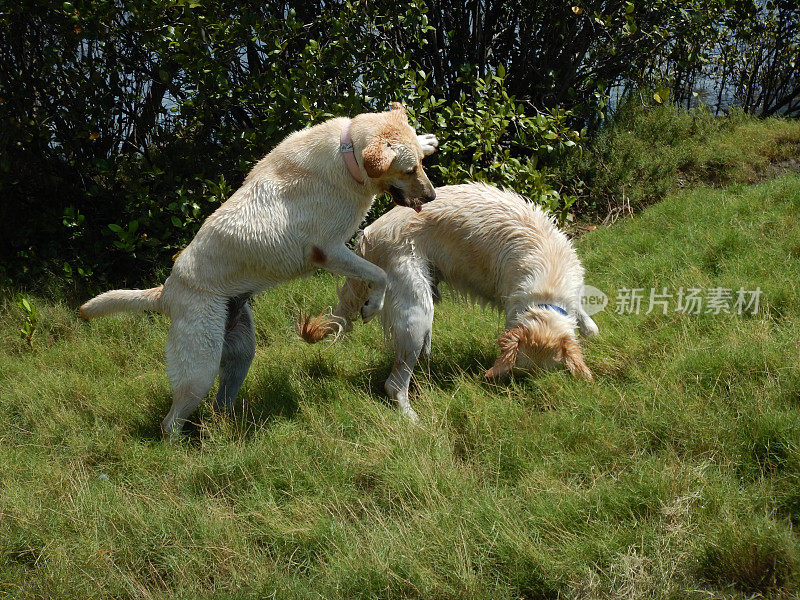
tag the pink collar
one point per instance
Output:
(346, 149)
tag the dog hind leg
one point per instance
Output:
(238, 351)
(409, 314)
(194, 351)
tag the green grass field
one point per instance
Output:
(676, 474)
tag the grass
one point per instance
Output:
(675, 475)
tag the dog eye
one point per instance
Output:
(412, 170)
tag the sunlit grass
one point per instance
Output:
(674, 475)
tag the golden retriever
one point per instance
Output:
(488, 244)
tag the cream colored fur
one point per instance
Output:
(490, 245)
(293, 214)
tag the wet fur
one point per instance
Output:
(293, 214)
(491, 246)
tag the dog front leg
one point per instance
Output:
(411, 318)
(586, 324)
(343, 261)
(397, 384)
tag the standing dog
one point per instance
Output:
(292, 215)
(488, 244)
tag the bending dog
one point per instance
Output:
(292, 215)
(490, 245)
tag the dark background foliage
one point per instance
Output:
(124, 123)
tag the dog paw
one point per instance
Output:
(370, 309)
(588, 328)
(429, 143)
(409, 414)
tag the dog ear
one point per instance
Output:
(377, 157)
(399, 111)
(509, 347)
(573, 359)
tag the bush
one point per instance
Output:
(648, 148)
(123, 124)
(488, 136)
(114, 173)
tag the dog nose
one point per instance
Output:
(430, 195)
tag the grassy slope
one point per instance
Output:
(675, 475)
(647, 151)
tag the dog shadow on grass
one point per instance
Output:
(450, 367)
(270, 396)
(266, 397)
(441, 371)
(274, 394)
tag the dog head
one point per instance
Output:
(392, 157)
(541, 340)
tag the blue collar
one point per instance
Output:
(554, 307)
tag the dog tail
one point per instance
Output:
(316, 329)
(122, 300)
